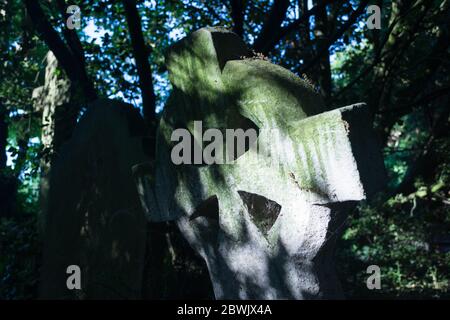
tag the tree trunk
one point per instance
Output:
(3, 136)
(141, 54)
(272, 26)
(68, 59)
(8, 183)
(237, 14)
(322, 73)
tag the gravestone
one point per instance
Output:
(94, 216)
(53, 101)
(266, 223)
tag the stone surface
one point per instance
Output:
(94, 218)
(266, 224)
(54, 101)
(54, 95)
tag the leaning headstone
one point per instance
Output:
(95, 221)
(265, 222)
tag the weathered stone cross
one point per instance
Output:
(265, 230)
(58, 120)
(54, 95)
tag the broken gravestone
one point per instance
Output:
(95, 221)
(266, 221)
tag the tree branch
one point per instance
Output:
(293, 26)
(272, 26)
(322, 72)
(379, 55)
(3, 136)
(437, 58)
(71, 65)
(71, 37)
(352, 19)
(237, 14)
(382, 49)
(425, 100)
(141, 54)
(425, 162)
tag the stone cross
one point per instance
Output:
(53, 100)
(267, 222)
(54, 95)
